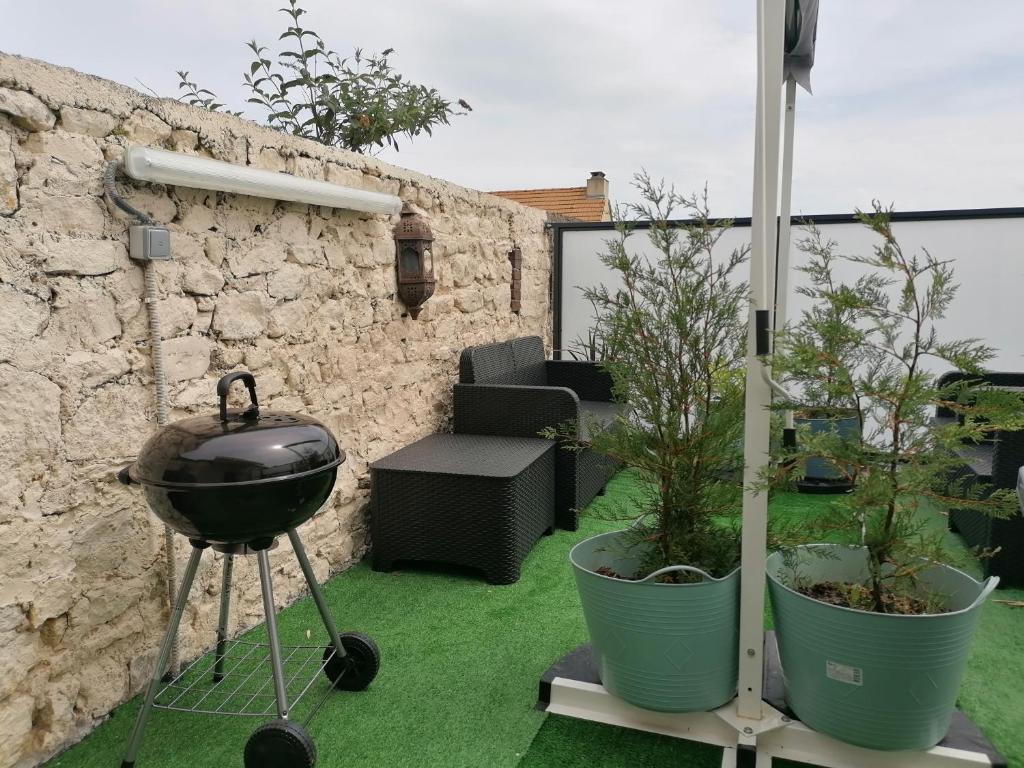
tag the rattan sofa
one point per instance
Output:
(509, 388)
(996, 464)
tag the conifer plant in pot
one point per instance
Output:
(874, 628)
(661, 597)
(821, 348)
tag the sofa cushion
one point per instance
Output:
(519, 361)
(596, 411)
(979, 459)
(487, 364)
(528, 356)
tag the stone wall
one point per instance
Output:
(302, 296)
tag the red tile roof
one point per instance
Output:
(570, 202)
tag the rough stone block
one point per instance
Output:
(240, 316)
(94, 369)
(86, 121)
(290, 318)
(345, 177)
(186, 358)
(469, 300)
(111, 424)
(76, 152)
(184, 140)
(26, 110)
(177, 313)
(22, 317)
(80, 216)
(247, 259)
(15, 725)
(8, 177)
(202, 279)
(83, 257)
(30, 433)
(269, 159)
(202, 322)
(288, 282)
(82, 312)
(144, 127)
(198, 218)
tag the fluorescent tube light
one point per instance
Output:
(173, 168)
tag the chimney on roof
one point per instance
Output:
(597, 185)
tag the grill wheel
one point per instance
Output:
(358, 668)
(280, 744)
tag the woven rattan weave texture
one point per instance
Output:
(473, 500)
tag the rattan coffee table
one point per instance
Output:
(469, 500)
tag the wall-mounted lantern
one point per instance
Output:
(415, 259)
(515, 257)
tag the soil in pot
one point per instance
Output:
(858, 597)
(876, 680)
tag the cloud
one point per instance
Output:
(917, 101)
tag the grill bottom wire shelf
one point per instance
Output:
(246, 685)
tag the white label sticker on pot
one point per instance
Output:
(844, 673)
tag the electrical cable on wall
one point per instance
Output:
(156, 346)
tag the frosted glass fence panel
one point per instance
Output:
(987, 254)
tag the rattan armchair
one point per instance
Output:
(509, 388)
(995, 463)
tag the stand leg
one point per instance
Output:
(165, 652)
(318, 595)
(267, 587)
(225, 615)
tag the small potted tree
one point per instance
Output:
(818, 352)
(873, 628)
(661, 597)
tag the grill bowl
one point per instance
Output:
(238, 477)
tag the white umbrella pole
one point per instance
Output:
(757, 424)
(785, 208)
(785, 214)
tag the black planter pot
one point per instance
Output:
(820, 476)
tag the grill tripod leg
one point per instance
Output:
(267, 588)
(318, 595)
(225, 615)
(165, 652)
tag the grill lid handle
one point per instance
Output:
(251, 413)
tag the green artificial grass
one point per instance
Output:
(460, 665)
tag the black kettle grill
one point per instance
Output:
(240, 476)
(234, 481)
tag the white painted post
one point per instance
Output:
(785, 208)
(770, 37)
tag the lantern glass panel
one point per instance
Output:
(428, 261)
(410, 262)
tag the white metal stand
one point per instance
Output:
(773, 736)
(748, 722)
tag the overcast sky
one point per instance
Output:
(920, 102)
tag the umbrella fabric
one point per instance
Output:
(801, 33)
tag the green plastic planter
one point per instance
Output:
(666, 647)
(879, 681)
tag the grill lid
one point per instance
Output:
(236, 447)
